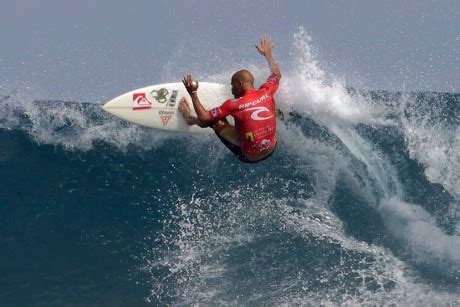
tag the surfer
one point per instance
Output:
(253, 138)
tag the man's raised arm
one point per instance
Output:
(265, 49)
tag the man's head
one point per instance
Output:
(242, 80)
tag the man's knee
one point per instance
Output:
(220, 126)
(226, 132)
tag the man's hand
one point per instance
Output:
(265, 46)
(265, 49)
(190, 85)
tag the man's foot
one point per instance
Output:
(184, 109)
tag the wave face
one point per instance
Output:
(359, 204)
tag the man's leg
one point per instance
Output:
(224, 131)
(222, 128)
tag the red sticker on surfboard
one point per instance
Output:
(165, 119)
(141, 102)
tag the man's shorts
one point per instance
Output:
(236, 150)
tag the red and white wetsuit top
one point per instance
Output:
(255, 117)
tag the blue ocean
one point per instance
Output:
(359, 204)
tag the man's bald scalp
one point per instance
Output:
(244, 76)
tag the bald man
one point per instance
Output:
(253, 138)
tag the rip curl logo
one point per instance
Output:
(256, 114)
(160, 95)
(141, 102)
(252, 103)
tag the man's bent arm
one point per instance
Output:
(203, 115)
(192, 87)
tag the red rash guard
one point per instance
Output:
(255, 117)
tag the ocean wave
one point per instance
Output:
(358, 205)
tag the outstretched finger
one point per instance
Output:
(268, 41)
(187, 81)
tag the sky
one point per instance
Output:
(95, 50)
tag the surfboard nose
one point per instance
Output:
(108, 107)
(112, 104)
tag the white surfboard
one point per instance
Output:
(156, 106)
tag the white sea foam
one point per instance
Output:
(217, 253)
(434, 145)
(307, 89)
(72, 127)
(424, 240)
